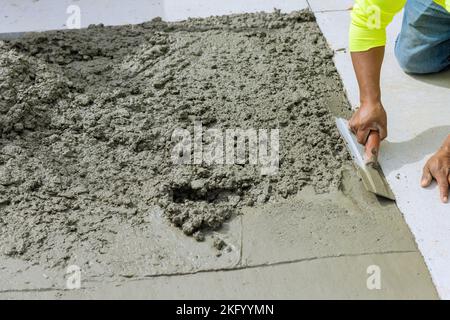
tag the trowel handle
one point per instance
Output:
(372, 147)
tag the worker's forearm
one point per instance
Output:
(367, 65)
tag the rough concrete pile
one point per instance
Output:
(87, 117)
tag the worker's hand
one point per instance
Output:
(438, 167)
(369, 117)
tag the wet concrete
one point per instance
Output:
(88, 120)
(86, 176)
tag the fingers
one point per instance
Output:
(362, 135)
(362, 130)
(352, 124)
(426, 177)
(383, 132)
(442, 180)
(372, 147)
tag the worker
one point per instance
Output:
(423, 46)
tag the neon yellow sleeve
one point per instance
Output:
(369, 21)
(444, 3)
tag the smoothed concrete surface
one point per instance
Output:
(348, 221)
(401, 276)
(330, 5)
(179, 10)
(159, 249)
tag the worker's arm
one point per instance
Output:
(438, 167)
(367, 41)
(371, 115)
(367, 38)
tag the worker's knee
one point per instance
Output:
(410, 64)
(420, 62)
(423, 45)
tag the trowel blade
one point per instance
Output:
(372, 176)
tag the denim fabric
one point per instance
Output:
(423, 45)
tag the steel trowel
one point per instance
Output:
(366, 160)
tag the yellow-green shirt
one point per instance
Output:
(370, 19)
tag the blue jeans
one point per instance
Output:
(423, 45)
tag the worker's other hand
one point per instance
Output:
(369, 117)
(438, 168)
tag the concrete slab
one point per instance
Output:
(401, 276)
(345, 69)
(29, 15)
(332, 25)
(415, 107)
(180, 10)
(330, 5)
(351, 221)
